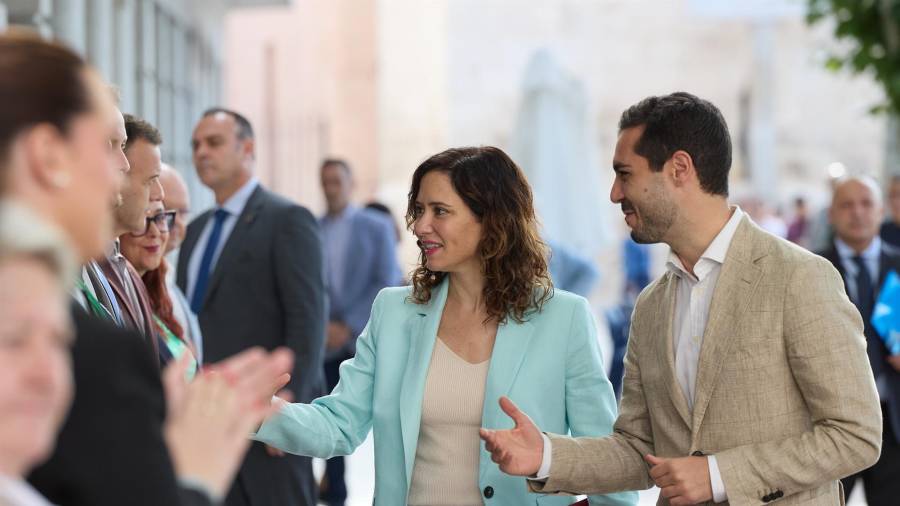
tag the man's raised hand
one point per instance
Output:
(520, 450)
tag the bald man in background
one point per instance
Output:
(177, 199)
(864, 261)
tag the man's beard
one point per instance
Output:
(656, 216)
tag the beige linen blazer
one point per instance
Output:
(785, 397)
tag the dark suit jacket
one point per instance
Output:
(890, 260)
(267, 289)
(110, 451)
(370, 264)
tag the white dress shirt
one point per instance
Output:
(693, 298)
(234, 206)
(17, 492)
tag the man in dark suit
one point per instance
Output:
(139, 187)
(252, 271)
(864, 260)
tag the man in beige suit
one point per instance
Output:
(746, 375)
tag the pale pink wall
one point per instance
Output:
(305, 75)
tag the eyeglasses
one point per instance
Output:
(164, 222)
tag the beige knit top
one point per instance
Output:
(445, 472)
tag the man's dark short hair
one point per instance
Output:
(683, 122)
(339, 162)
(245, 129)
(137, 128)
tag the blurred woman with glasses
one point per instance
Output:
(146, 252)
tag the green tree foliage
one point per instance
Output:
(873, 28)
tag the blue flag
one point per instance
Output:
(886, 315)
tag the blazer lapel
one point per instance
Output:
(734, 290)
(118, 286)
(232, 245)
(102, 296)
(665, 345)
(510, 348)
(423, 332)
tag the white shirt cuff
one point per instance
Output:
(544, 472)
(198, 486)
(715, 479)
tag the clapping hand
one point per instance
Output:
(520, 450)
(209, 420)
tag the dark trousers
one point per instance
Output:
(273, 481)
(335, 492)
(881, 482)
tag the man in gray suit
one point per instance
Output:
(252, 270)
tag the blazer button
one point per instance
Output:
(779, 494)
(697, 453)
(489, 491)
(767, 498)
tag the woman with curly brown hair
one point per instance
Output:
(480, 321)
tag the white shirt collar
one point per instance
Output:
(17, 492)
(715, 253)
(872, 252)
(236, 203)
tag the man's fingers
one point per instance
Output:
(670, 492)
(513, 412)
(489, 438)
(653, 460)
(657, 472)
(665, 480)
(681, 501)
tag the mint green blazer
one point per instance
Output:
(550, 366)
